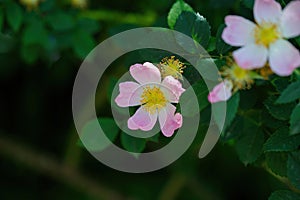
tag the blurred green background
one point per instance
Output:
(41, 49)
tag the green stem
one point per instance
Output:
(284, 180)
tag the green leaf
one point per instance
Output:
(237, 126)
(234, 130)
(47, 6)
(248, 99)
(293, 168)
(291, 93)
(284, 195)
(269, 121)
(195, 26)
(7, 43)
(176, 10)
(231, 110)
(133, 144)
(93, 141)
(61, 21)
(14, 15)
(82, 43)
(90, 26)
(212, 44)
(279, 111)
(282, 141)
(277, 162)
(222, 47)
(109, 127)
(30, 53)
(201, 92)
(249, 145)
(295, 121)
(35, 33)
(280, 83)
(248, 3)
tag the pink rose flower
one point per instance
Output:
(266, 40)
(154, 96)
(221, 92)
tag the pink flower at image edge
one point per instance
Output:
(154, 97)
(266, 40)
(221, 92)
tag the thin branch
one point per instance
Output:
(50, 167)
(284, 180)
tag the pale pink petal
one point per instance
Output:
(251, 56)
(290, 21)
(221, 92)
(168, 121)
(284, 58)
(267, 11)
(129, 94)
(146, 73)
(142, 120)
(172, 89)
(238, 31)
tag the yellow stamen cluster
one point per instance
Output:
(171, 67)
(153, 99)
(30, 4)
(266, 33)
(240, 78)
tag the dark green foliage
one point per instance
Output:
(41, 50)
(293, 168)
(277, 162)
(290, 94)
(176, 10)
(249, 144)
(284, 195)
(295, 121)
(279, 111)
(282, 141)
(132, 144)
(195, 26)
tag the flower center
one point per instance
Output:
(153, 99)
(241, 78)
(266, 33)
(239, 73)
(171, 67)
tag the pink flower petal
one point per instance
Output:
(221, 92)
(168, 121)
(146, 73)
(129, 94)
(290, 21)
(284, 58)
(239, 31)
(267, 11)
(251, 56)
(173, 89)
(142, 120)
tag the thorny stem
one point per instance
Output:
(284, 180)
